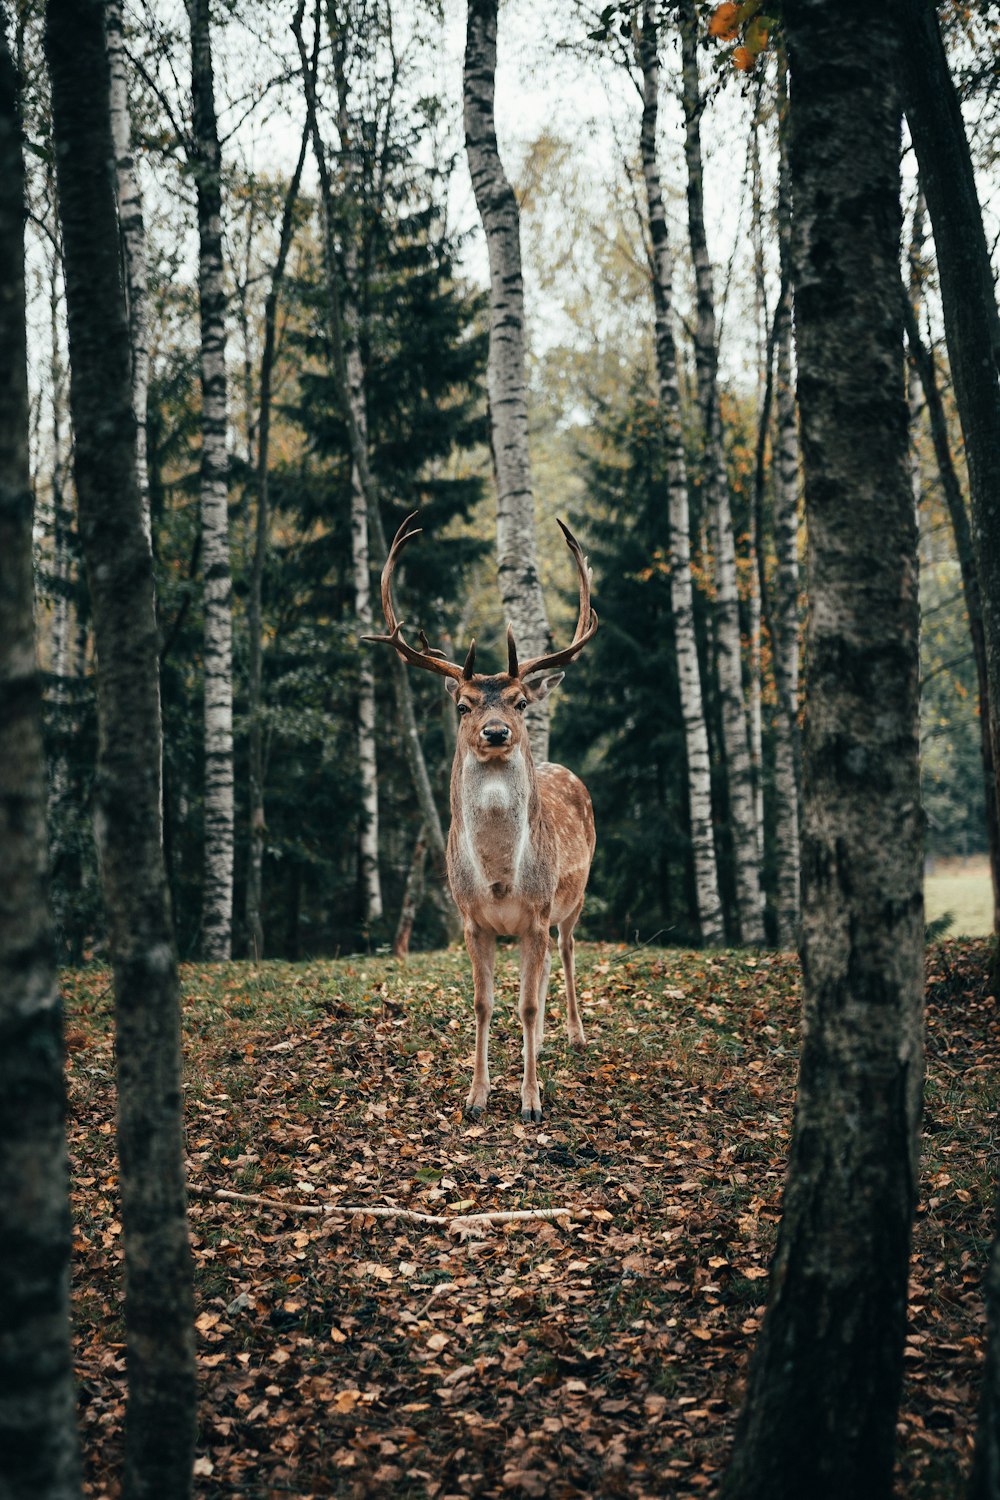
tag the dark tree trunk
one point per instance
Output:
(412, 896)
(159, 1438)
(972, 330)
(40, 1459)
(255, 858)
(923, 361)
(820, 1412)
(971, 320)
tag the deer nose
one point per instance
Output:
(495, 734)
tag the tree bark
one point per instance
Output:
(37, 1403)
(217, 896)
(785, 637)
(971, 319)
(357, 396)
(132, 228)
(255, 857)
(729, 653)
(517, 553)
(412, 895)
(820, 1412)
(681, 588)
(159, 1435)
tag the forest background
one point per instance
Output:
(413, 255)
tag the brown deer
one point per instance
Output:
(522, 836)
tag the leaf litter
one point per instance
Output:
(602, 1351)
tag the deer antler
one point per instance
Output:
(586, 625)
(429, 657)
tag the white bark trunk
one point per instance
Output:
(366, 722)
(914, 390)
(217, 899)
(681, 590)
(729, 655)
(132, 229)
(517, 556)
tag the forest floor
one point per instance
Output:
(600, 1354)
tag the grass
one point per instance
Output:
(961, 888)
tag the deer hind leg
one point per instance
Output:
(534, 952)
(482, 952)
(574, 1026)
(543, 990)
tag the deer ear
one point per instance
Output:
(536, 691)
(452, 685)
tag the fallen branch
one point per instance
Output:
(381, 1211)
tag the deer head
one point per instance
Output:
(491, 708)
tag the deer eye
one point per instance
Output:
(464, 708)
(521, 705)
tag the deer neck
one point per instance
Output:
(497, 806)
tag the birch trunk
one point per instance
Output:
(824, 1383)
(217, 896)
(681, 589)
(356, 394)
(785, 641)
(255, 856)
(37, 1402)
(729, 653)
(159, 1313)
(517, 554)
(132, 229)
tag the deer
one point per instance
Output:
(522, 838)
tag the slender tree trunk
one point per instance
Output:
(914, 388)
(820, 1412)
(785, 638)
(681, 589)
(159, 1435)
(972, 330)
(37, 1404)
(971, 318)
(133, 237)
(412, 896)
(923, 362)
(357, 396)
(255, 859)
(729, 655)
(401, 684)
(217, 896)
(517, 554)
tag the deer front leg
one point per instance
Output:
(574, 1026)
(482, 951)
(534, 951)
(543, 990)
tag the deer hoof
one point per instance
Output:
(531, 1116)
(474, 1111)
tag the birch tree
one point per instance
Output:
(132, 228)
(824, 1384)
(785, 613)
(682, 595)
(159, 1314)
(352, 213)
(739, 771)
(517, 554)
(37, 1402)
(217, 898)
